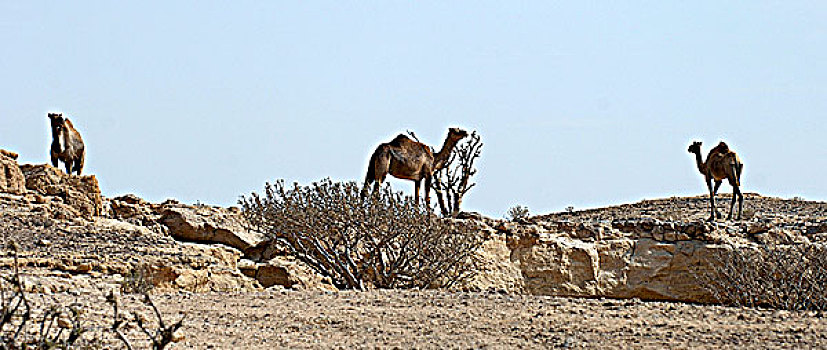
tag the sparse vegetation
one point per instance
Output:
(517, 212)
(452, 182)
(790, 277)
(27, 324)
(58, 327)
(385, 240)
(161, 335)
(137, 280)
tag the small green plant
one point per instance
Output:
(517, 212)
(570, 209)
(137, 280)
(749, 213)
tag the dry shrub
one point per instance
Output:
(517, 212)
(26, 323)
(159, 333)
(137, 280)
(791, 277)
(453, 181)
(384, 240)
(24, 326)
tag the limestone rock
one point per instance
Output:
(209, 225)
(8, 154)
(497, 271)
(11, 178)
(635, 251)
(132, 209)
(80, 193)
(287, 272)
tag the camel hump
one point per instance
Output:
(399, 140)
(721, 150)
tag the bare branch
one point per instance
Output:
(452, 182)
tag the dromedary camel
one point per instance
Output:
(67, 145)
(721, 163)
(407, 159)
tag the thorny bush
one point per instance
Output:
(384, 240)
(791, 277)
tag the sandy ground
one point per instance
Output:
(440, 320)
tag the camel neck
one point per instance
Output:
(442, 156)
(700, 162)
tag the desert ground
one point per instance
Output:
(388, 319)
(75, 247)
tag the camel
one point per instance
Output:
(721, 163)
(67, 145)
(404, 158)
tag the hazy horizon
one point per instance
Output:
(578, 104)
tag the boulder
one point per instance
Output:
(207, 224)
(287, 272)
(8, 154)
(80, 193)
(216, 270)
(132, 209)
(11, 178)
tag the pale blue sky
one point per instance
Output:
(578, 104)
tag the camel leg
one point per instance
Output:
(68, 164)
(711, 199)
(428, 192)
(732, 204)
(738, 168)
(365, 188)
(740, 200)
(80, 162)
(416, 192)
(376, 185)
(717, 185)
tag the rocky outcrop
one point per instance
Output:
(73, 196)
(8, 154)
(11, 178)
(62, 223)
(132, 209)
(649, 250)
(654, 253)
(210, 225)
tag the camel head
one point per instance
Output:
(457, 134)
(57, 123)
(695, 147)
